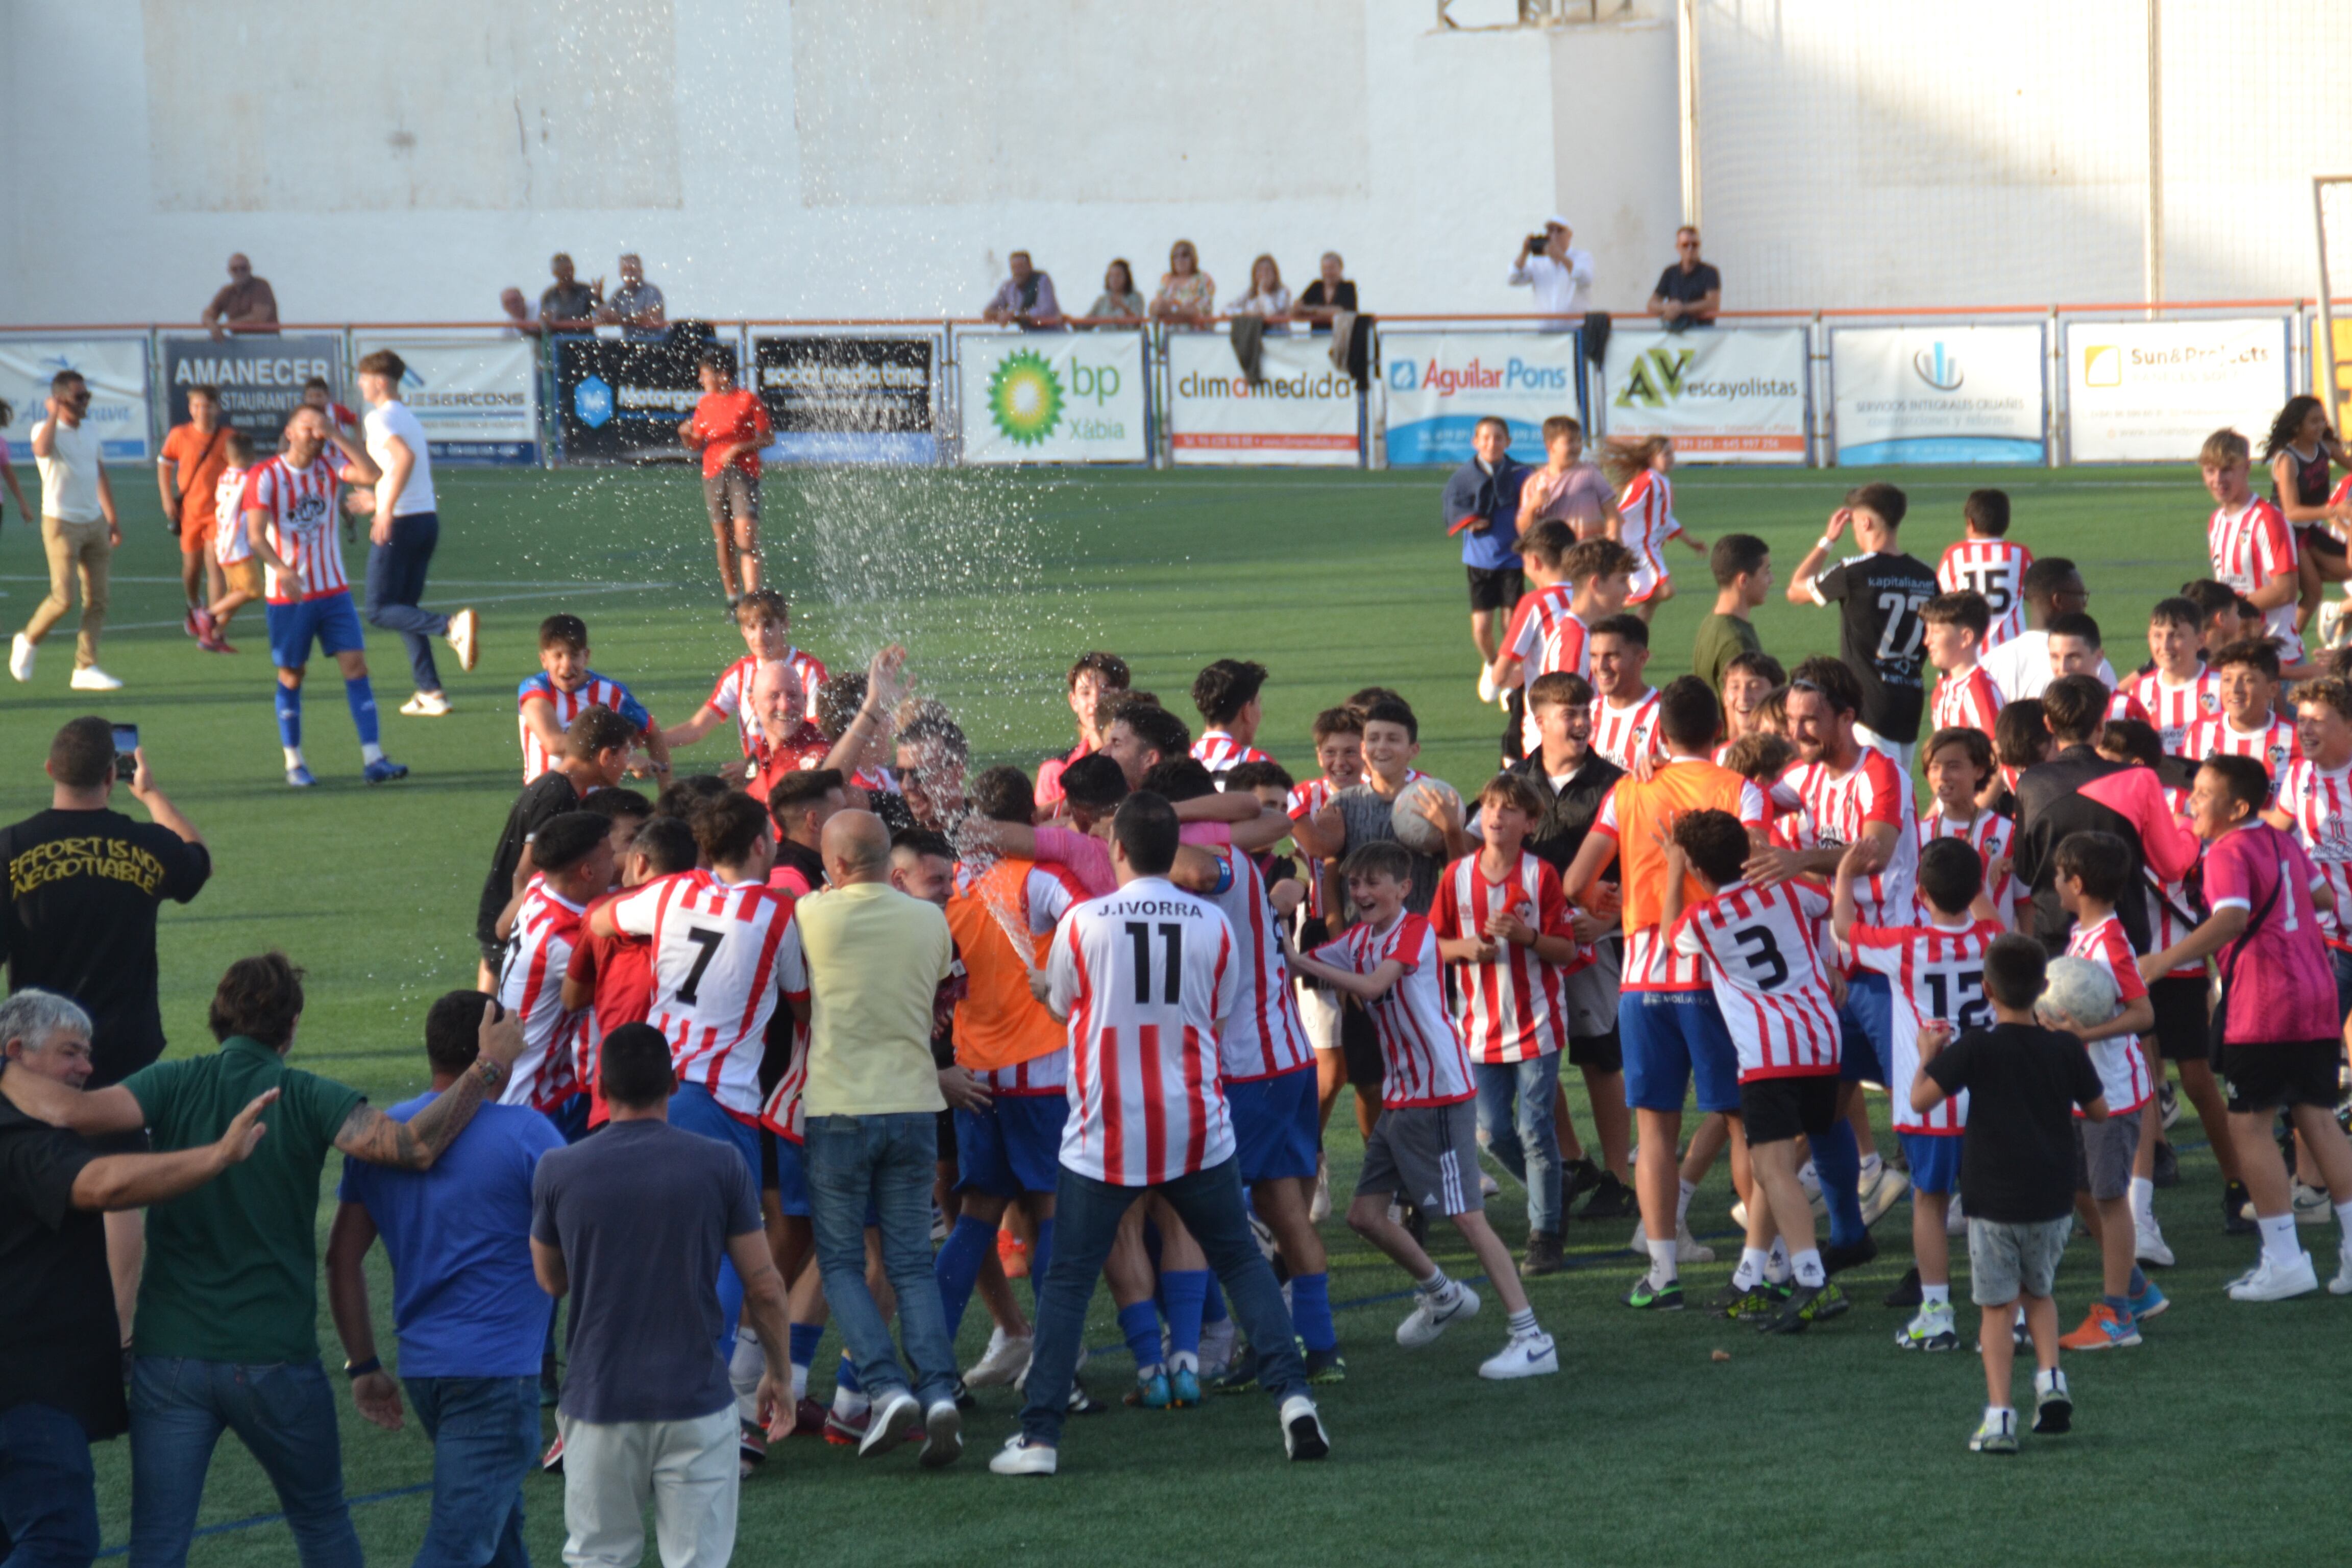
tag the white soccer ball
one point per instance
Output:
(2077, 995)
(1414, 830)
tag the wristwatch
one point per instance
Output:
(356, 1370)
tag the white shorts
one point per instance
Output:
(1901, 751)
(1319, 1011)
(1647, 579)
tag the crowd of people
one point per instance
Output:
(845, 1033)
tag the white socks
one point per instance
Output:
(1935, 1296)
(1751, 1272)
(1808, 1265)
(2143, 1201)
(1681, 1207)
(1663, 1267)
(2278, 1245)
(370, 751)
(293, 757)
(1776, 1262)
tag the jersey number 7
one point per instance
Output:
(708, 940)
(1172, 941)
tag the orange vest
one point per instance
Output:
(1645, 809)
(997, 1024)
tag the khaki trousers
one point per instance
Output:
(688, 1469)
(74, 547)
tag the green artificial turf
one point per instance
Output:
(2220, 1437)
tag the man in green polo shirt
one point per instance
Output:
(226, 1335)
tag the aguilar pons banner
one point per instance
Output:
(844, 399)
(477, 399)
(1938, 394)
(260, 378)
(1441, 384)
(1052, 397)
(620, 402)
(2150, 392)
(115, 370)
(1304, 411)
(1726, 394)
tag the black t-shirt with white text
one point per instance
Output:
(547, 796)
(1881, 636)
(2017, 1156)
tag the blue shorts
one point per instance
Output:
(330, 620)
(792, 1177)
(1671, 1037)
(1934, 1160)
(692, 1109)
(1277, 1125)
(1865, 1024)
(1013, 1147)
(571, 1116)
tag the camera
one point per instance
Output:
(1536, 244)
(126, 748)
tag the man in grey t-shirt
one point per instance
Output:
(637, 1218)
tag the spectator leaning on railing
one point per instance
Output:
(567, 302)
(1025, 298)
(1331, 292)
(1120, 304)
(1265, 295)
(1690, 291)
(245, 304)
(1188, 296)
(636, 305)
(1560, 274)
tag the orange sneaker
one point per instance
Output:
(1013, 1254)
(2105, 1330)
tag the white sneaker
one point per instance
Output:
(426, 705)
(1303, 1436)
(2147, 1244)
(1217, 1348)
(943, 1434)
(1007, 1357)
(2270, 1282)
(1020, 1456)
(1487, 692)
(465, 635)
(2311, 1206)
(1429, 1318)
(1488, 1186)
(20, 657)
(1879, 1195)
(1688, 1248)
(2342, 1284)
(89, 678)
(893, 1416)
(1318, 1208)
(1739, 1214)
(1527, 1356)
(1809, 1179)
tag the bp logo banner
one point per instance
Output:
(1052, 397)
(1726, 395)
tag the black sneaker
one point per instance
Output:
(2168, 1166)
(1576, 1179)
(1611, 1199)
(965, 1397)
(1240, 1377)
(1854, 1254)
(1543, 1255)
(1905, 1294)
(1758, 1301)
(1327, 1366)
(2235, 1199)
(1806, 1305)
(1645, 1297)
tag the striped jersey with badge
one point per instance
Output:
(1770, 980)
(1989, 834)
(723, 954)
(2123, 1069)
(1648, 510)
(1221, 754)
(595, 692)
(1834, 810)
(2176, 709)
(1620, 734)
(547, 927)
(1424, 1058)
(1936, 975)
(1547, 637)
(732, 694)
(1264, 1037)
(2319, 803)
(301, 504)
(1516, 1008)
(1995, 568)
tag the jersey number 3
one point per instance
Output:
(1171, 945)
(1766, 963)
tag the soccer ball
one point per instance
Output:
(1413, 830)
(2077, 995)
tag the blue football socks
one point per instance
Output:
(1837, 1160)
(958, 1263)
(1310, 1310)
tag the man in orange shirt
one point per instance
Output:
(728, 427)
(187, 472)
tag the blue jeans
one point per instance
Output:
(395, 584)
(48, 1495)
(1086, 1219)
(1527, 1145)
(485, 1433)
(284, 1414)
(885, 1163)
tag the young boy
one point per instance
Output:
(240, 573)
(2178, 690)
(1937, 970)
(574, 856)
(1425, 1145)
(1742, 565)
(2075, 649)
(1966, 697)
(1094, 677)
(2252, 546)
(550, 700)
(2016, 1166)
(1567, 490)
(766, 622)
(1362, 813)
(1961, 772)
(1878, 593)
(2248, 724)
(1226, 694)
(1748, 680)
(2089, 879)
(1580, 584)
(1773, 989)
(1625, 712)
(1983, 561)
(1502, 925)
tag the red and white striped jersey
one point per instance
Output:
(2175, 710)
(1305, 800)
(1047, 893)
(231, 544)
(1221, 754)
(300, 505)
(1620, 734)
(1936, 975)
(1547, 636)
(2249, 547)
(723, 952)
(1967, 700)
(1648, 510)
(596, 692)
(1264, 1037)
(1651, 962)
(732, 694)
(2275, 746)
(1835, 809)
(1426, 1061)
(1515, 1009)
(1989, 834)
(2319, 801)
(1146, 977)
(2123, 1070)
(530, 986)
(2172, 914)
(1995, 568)
(1769, 978)
(2122, 703)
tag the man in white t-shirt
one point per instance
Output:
(402, 538)
(79, 530)
(1560, 274)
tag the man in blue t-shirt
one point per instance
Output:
(471, 1317)
(1482, 505)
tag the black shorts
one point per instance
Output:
(947, 1137)
(2265, 1075)
(1360, 1048)
(1775, 1109)
(2182, 1033)
(1602, 1053)
(2318, 540)
(1495, 587)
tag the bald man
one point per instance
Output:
(245, 304)
(788, 742)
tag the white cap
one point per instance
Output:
(1560, 220)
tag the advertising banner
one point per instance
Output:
(620, 402)
(1726, 394)
(115, 370)
(1938, 394)
(1052, 397)
(1304, 410)
(1440, 384)
(260, 378)
(477, 399)
(2150, 392)
(844, 399)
